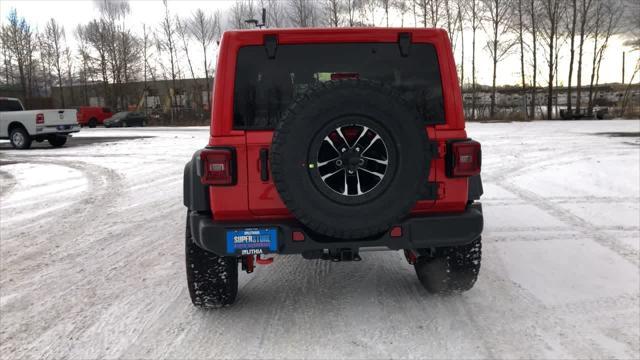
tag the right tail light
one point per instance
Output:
(465, 158)
(218, 166)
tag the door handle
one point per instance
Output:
(264, 164)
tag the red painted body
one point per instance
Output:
(254, 199)
(86, 113)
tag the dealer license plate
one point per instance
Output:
(252, 241)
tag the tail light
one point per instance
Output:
(345, 75)
(465, 158)
(218, 166)
(40, 119)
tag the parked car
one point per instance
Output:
(126, 118)
(22, 126)
(333, 142)
(93, 115)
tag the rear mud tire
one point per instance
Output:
(93, 122)
(212, 280)
(450, 270)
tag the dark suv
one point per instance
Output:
(328, 143)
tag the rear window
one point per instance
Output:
(106, 110)
(10, 105)
(264, 87)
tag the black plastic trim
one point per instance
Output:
(475, 188)
(422, 232)
(195, 194)
(264, 164)
(404, 43)
(271, 46)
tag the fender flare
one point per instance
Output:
(195, 194)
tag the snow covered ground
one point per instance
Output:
(91, 255)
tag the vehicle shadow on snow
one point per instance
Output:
(75, 142)
(334, 286)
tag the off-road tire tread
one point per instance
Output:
(451, 269)
(212, 280)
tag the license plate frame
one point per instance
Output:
(252, 241)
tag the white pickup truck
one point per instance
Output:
(22, 126)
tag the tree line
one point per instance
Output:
(111, 51)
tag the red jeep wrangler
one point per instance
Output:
(328, 143)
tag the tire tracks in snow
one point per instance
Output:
(588, 230)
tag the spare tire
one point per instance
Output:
(349, 158)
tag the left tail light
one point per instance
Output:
(465, 158)
(39, 118)
(218, 166)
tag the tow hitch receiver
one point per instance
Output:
(345, 254)
(249, 262)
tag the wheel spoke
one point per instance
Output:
(383, 162)
(358, 183)
(376, 138)
(328, 139)
(339, 131)
(346, 185)
(324, 177)
(364, 131)
(323, 163)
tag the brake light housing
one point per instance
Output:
(40, 118)
(464, 158)
(218, 166)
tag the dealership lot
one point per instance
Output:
(92, 259)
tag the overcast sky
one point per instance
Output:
(70, 13)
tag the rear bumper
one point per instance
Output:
(417, 233)
(57, 129)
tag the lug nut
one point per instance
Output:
(339, 162)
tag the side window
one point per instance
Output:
(10, 105)
(106, 110)
(264, 87)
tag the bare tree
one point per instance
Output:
(85, 60)
(205, 29)
(533, 15)
(520, 11)
(572, 37)
(586, 7)
(302, 13)
(19, 38)
(473, 9)
(499, 45)
(552, 11)
(54, 35)
(351, 8)
(96, 36)
(402, 8)
(608, 16)
(386, 6)
(167, 45)
(333, 9)
(276, 16)
(69, 63)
